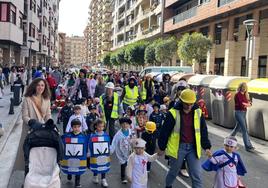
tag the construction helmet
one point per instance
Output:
(109, 85)
(150, 126)
(188, 96)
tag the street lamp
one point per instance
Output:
(249, 24)
(30, 62)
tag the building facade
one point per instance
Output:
(99, 30)
(74, 50)
(61, 49)
(29, 27)
(135, 20)
(222, 20)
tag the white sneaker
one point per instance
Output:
(184, 173)
(104, 183)
(95, 179)
(124, 181)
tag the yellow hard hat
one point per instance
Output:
(188, 96)
(150, 126)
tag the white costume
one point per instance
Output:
(121, 144)
(226, 177)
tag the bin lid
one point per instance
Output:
(227, 82)
(175, 78)
(201, 79)
(259, 86)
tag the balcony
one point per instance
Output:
(185, 15)
(224, 2)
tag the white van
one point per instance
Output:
(166, 69)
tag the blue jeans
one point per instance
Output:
(188, 152)
(241, 125)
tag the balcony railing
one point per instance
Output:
(185, 15)
(224, 2)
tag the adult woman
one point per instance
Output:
(36, 104)
(100, 87)
(81, 87)
(242, 102)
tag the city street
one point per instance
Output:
(256, 164)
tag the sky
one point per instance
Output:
(73, 16)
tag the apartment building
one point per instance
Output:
(86, 44)
(29, 25)
(74, 50)
(61, 49)
(135, 20)
(222, 20)
(99, 30)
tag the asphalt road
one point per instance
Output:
(256, 164)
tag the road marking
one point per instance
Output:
(178, 178)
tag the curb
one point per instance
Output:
(10, 127)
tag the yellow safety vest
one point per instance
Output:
(174, 138)
(143, 91)
(114, 113)
(131, 95)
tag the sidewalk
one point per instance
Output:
(7, 121)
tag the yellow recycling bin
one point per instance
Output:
(257, 115)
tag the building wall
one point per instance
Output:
(231, 50)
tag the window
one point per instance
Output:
(3, 12)
(218, 30)
(204, 31)
(44, 21)
(244, 67)
(203, 1)
(20, 20)
(223, 2)
(262, 66)
(32, 30)
(12, 14)
(219, 66)
(44, 40)
(33, 5)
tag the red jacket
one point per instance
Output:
(51, 82)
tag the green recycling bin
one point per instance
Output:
(222, 91)
(257, 114)
(200, 84)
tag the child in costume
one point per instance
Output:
(157, 117)
(137, 164)
(91, 118)
(227, 164)
(202, 104)
(149, 136)
(75, 152)
(140, 121)
(77, 115)
(130, 113)
(84, 107)
(66, 112)
(99, 152)
(121, 144)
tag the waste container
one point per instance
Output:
(222, 91)
(17, 94)
(257, 114)
(176, 77)
(200, 83)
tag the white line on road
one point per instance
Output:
(178, 178)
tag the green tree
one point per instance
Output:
(113, 60)
(193, 48)
(120, 56)
(134, 53)
(106, 59)
(165, 49)
(149, 54)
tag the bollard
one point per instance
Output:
(1, 130)
(11, 109)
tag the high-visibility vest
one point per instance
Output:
(131, 95)
(174, 139)
(143, 91)
(75, 154)
(114, 113)
(99, 146)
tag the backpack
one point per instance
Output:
(42, 135)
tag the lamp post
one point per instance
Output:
(249, 24)
(30, 62)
